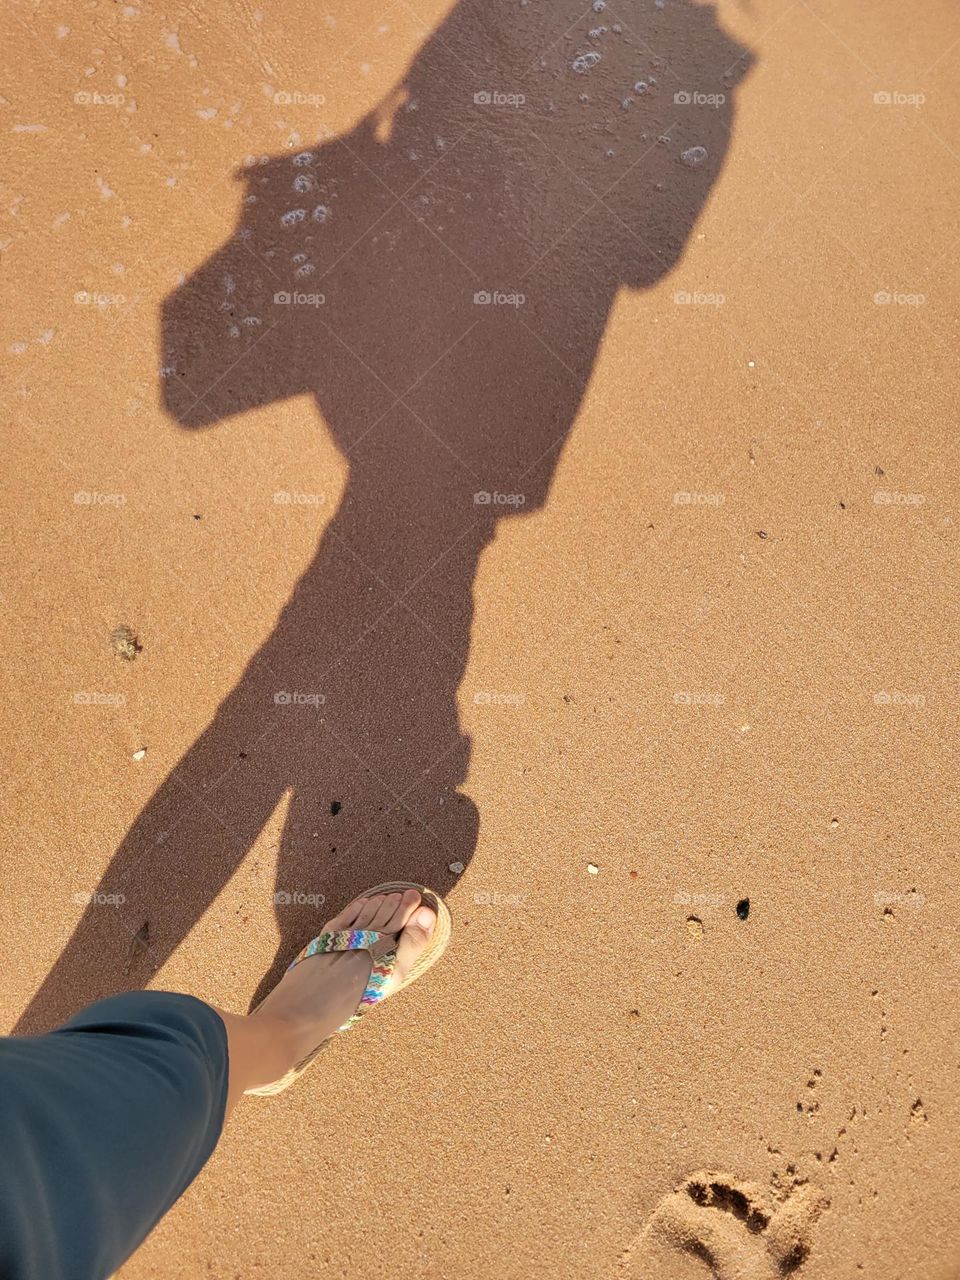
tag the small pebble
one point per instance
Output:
(138, 755)
(693, 156)
(594, 871)
(457, 868)
(584, 62)
(125, 643)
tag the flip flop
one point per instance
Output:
(383, 951)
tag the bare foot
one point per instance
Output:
(314, 999)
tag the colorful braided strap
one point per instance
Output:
(348, 940)
(357, 940)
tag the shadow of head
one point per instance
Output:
(533, 160)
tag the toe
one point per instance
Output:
(386, 910)
(355, 911)
(409, 901)
(347, 917)
(372, 909)
(416, 935)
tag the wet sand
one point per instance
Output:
(586, 547)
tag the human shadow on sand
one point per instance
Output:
(467, 239)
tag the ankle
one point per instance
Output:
(280, 1036)
(260, 1048)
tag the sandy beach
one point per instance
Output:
(513, 447)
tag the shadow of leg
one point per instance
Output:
(350, 704)
(376, 768)
(175, 859)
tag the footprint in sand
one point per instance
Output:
(739, 1230)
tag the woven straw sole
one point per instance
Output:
(430, 955)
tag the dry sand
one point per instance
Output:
(699, 650)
